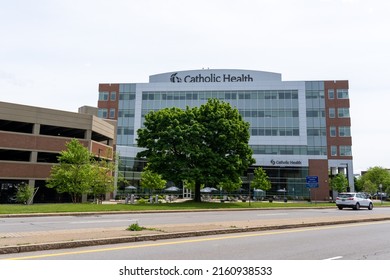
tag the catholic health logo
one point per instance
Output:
(175, 79)
(211, 78)
(286, 162)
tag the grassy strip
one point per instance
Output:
(189, 205)
(87, 207)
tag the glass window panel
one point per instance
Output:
(342, 94)
(332, 113)
(333, 150)
(331, 93)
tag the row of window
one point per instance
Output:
(344, 131)
(340, 93)
(269, 113)
(274, 131)
(105, 96)
(223, 95)
(106, 114)
(341, 113)
(232, 95)
(340, 150)
(288, 150)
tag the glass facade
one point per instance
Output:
(315, 118)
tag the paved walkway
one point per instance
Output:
(44, 240)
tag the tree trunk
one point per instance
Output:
(198, 197)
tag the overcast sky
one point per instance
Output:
(54, 53)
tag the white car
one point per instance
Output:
(353, 200)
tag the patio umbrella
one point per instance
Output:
(208, 190)
(130, 188)
(172, 189)
(259, 191)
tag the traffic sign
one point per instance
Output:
(312, 182)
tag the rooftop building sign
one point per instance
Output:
(215, 76)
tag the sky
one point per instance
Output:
(54, 53)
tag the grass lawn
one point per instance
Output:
(88, 207)
(188, 205)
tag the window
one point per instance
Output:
(342, 94)
(112, 113)
(102, 113)
(343, 112)
(103, 96)
(345, 151)
(332, 131)
(332, 113)
(331, 93)
(113, 96)
(333, 150)
(344, 131)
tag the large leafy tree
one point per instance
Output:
(205, 145)
(374, 177)
(78, 173)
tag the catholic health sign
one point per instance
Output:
(214, 76)
(211, 78)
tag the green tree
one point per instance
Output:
(24, 193)
(260, 180)
(374, 177)
(230, 186)
(151, 180)
(102, 179)
(78, 173)
(339, 183)
(205, 145)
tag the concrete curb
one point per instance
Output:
(162, 236)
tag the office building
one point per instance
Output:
(297, 128)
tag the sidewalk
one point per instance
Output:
(45, 240)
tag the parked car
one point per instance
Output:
(379, 195)
(353, 200)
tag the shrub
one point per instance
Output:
(135, 227)
(24, 193)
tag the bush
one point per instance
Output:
(24, 193)
(142, 201)
(135, 227)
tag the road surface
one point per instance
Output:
(361, 241)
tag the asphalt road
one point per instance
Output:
(362, 241)
(48, 223)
